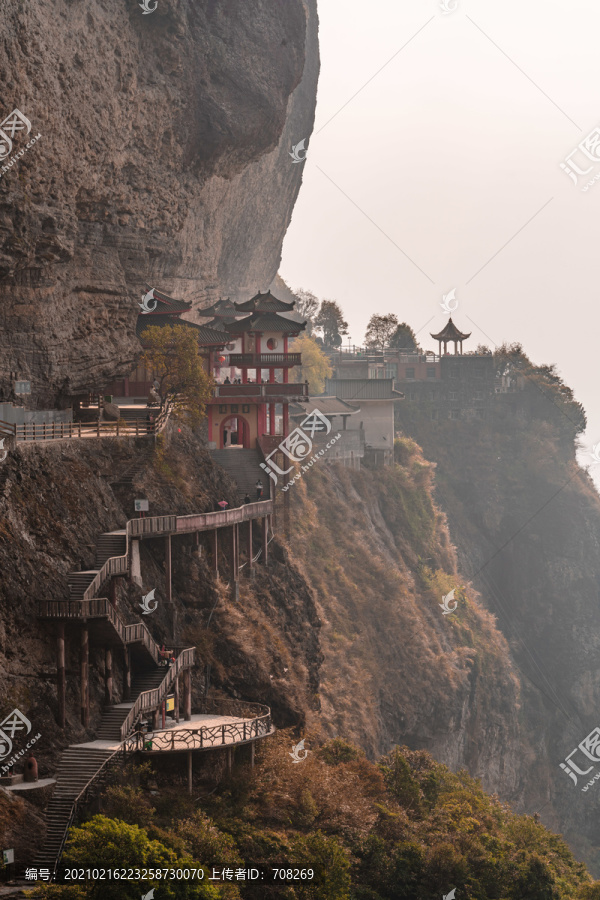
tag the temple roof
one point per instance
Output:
(207, 337)
(265, 322)
(220, 308)
(264, 303)
(450, 333)
(168, 305)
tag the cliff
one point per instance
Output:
(525, 519)
(162, 159)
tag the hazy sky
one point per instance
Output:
(444, 172)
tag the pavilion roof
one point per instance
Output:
(450, 333)
(264, 303)
(207, 337)
(265, 322)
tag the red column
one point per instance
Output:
(286, 373)
(271, 376)
(285, 419)
(271, 418)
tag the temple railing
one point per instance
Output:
(264, 360)
(266, 391)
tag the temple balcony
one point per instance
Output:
(261, 392)
(264, 360)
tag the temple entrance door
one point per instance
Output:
(235, 432)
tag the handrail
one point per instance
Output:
(121, 427)
(151, 699)
(80, 799)
(264, 360)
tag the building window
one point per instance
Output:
(391, 370)
(455, 414)
(431, 371)
(234, 408)
(246, 408)
(410, 373)
(412, 395)
(453, 395)
(222, 408)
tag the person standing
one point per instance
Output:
(259, 489)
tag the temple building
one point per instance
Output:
(450, 333)
(252, 396)
(167, 311)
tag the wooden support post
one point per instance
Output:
(251, 754)
(265, 538)
(189, 767)
(187, 695)
(108, 675)
(229, 760)
(163, 713)
(85, 675)
(235, 551)
(176, 690)
(61, 682)
(112, 595)
(249, 546)
(168, 567)
(155, 716)
(215, 551)
(126, 674)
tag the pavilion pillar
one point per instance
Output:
(187, 695)
(249, 546)
(108, 675)
(126, 674)
(215, 551)
(84, 659)
(168, 567)
(176, 692)
(265, 545)
(61, 682)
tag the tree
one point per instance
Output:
(173, 355)
(307, 305)
(105, 843)
(331, 322)
(404, 338)
(315, 366)
(380, 330)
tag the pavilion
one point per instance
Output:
(450, 333)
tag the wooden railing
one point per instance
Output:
(55, 431)
(264, 360)
(256, 723)
(151, 699)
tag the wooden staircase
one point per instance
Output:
(113, 717)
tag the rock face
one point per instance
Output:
(163, 158)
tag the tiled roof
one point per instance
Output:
(265, 322)
(169, 304)
(264, 303)
(207, 337)
(329, 406)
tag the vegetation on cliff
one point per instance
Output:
(400, 829)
